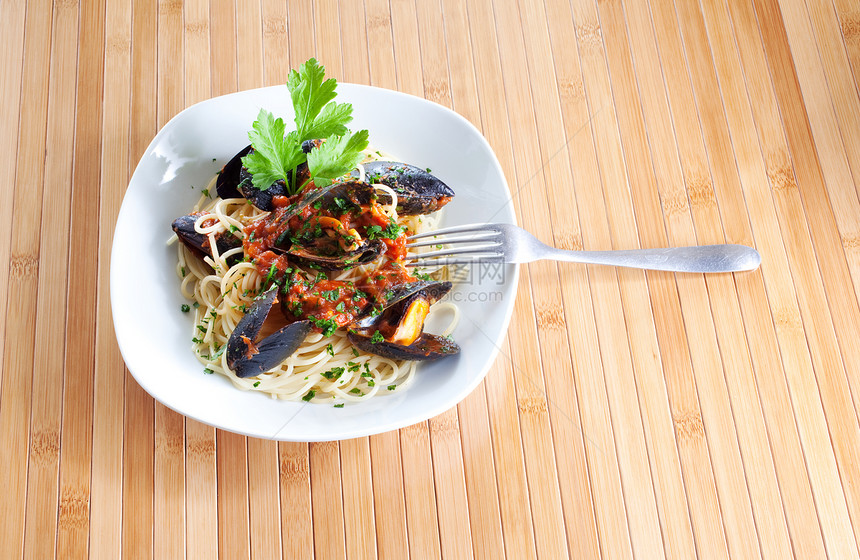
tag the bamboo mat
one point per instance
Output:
(628, 413)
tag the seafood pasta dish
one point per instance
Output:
(293, 259)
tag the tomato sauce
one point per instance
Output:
(329, 303)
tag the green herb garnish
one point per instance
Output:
(328, 326)
(278, 153)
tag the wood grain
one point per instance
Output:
(627, 414)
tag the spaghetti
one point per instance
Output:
(223, 285)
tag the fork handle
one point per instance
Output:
(701, 258)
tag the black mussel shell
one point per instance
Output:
(234, 181)
(199, 243)
(334, 196)
(418, 191)
(309, 145)
(228, 180)
(262, 198)
(369, 251)
(248, 358)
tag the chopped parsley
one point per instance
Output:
(331, 295)
(271, 274)
(185, 308)
(333, 373)
(377, 338)
(391, 231)
(328, 326)
(309, 396)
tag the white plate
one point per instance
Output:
(155, 336)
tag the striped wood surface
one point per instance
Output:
(628, 413)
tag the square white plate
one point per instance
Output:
(155, 336)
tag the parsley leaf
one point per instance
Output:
(336, 156)
(317, 116)
(278, 153)
(274, 154)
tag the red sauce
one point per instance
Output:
(304, 296)
(322, 299)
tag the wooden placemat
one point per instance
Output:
(628, 413)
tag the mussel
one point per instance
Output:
(235, 181)
(183, 226)
(398, 331)
(418, 191)
(248, 357)
(227, 183)
(368, 251)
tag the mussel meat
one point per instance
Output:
(367, 252)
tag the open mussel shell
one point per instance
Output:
(369, 251)
(425, 346)
(432, 290)
(353, 192)
(183, 226)
(248, 358)
(418, 190)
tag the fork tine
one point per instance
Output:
(486, 250)
(447, 262)
(490, 238)
(468, 228)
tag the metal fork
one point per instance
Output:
(506, 243)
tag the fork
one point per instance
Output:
(507, 243)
